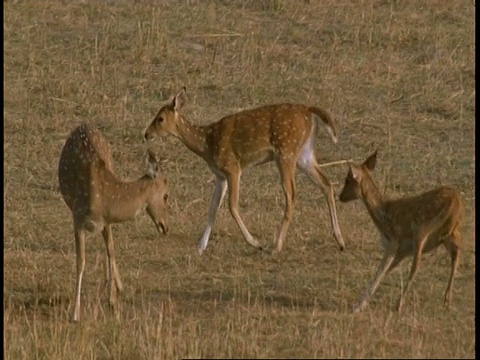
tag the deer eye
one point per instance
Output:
(165, 197)
(159, 119)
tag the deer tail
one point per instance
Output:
(327, 120)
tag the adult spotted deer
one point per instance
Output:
(97, 199)
(408, 226)
(284, 133)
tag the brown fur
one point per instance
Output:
(97, 198)
(284, 133)
(408, 226)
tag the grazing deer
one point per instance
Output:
(97, 198)
(284, 133)
(408, 226)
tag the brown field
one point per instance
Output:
(396, 75)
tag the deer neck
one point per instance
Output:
(373, 200)
(124, 200)
(193, 136)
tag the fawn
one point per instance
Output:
(408, 226)
(284, 133)
(97, 198)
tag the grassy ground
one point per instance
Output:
(397, 75)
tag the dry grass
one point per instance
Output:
(397, 75)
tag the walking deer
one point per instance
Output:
(97, 199)
(284, 133)
(408, 226)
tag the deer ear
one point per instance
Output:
(356, 172)
(371, 161)
(152, 164)
(179, 99)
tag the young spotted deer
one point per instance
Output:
(284, 133)
(97, 199)
(408, 226)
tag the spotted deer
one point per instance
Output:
(408, 226)
(284, 133)
(97, 199)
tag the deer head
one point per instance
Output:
(165, 122)
(157, 204)
(352, 187)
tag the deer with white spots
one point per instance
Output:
(408, 226)
(97, 199)
(284, 133)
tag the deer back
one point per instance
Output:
(85, 149)
(255, 136)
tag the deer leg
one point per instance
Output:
(107, 270)
(80, 252)
(452, 246)
(112, 294)
(233, 187)
(319, 178)
(113, 274)
(382, 269)
(218, 196)
(394, 263)
(413, 271)
(287, 173)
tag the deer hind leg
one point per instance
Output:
(388, 259)
(414, 269)
(310, 166)
(287, 173)
(233, 186)
(452, 243)
(218, 196)
(80, 253)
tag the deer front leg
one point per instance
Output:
(413, 271)
(218, 196)
(382, 269)
(114, 281)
